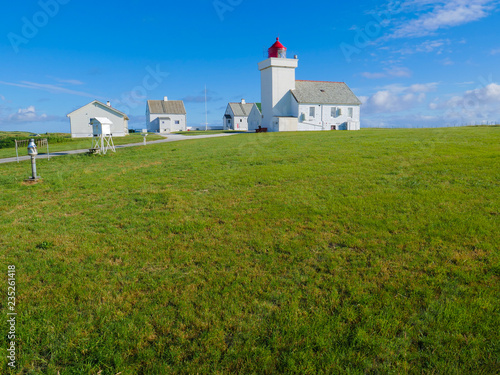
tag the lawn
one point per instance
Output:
(369, 252)
(209, 132)
(68, 143)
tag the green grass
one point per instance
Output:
(66, 143)
(370, 252)
(208, 132)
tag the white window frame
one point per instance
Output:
(312, 111)
(350, 112)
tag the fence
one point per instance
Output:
(24, 142)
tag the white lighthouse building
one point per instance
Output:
(291, 105)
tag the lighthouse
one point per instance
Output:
(277, 74)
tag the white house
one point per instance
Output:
(236, 116)
(255, 117)
(165, 116)
(291, 105)
(80, 119)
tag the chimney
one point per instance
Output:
(165, 98)
(295, 57)
(108, 103)
(243, 101)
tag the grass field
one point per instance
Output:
(208, 132)
(68, 144)
(370, 252)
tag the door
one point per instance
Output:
(165, 125)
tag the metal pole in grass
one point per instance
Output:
(32, 151)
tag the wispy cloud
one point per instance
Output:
(74, 82)
(437, 15)
(200, 97)
(389, 72)
(437, 46)
(495, 51)
(50, 88)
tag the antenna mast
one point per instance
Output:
(206, 110)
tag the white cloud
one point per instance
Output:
(28, 114)
(50, 88)
(389, 72)
(480, 104)
(447, 62)
(396, 98)
(74, 82)
(436, 15)
(495, 51)
(438, 46)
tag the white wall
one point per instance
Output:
(277, 79)
(237, 122)
(162, 123)
(254, 119)
(80, 120)
(228, 123)
(323, 119)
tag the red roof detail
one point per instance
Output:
(278, 44)
(275, 48)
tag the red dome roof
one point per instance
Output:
(276, 48)
(278, 44)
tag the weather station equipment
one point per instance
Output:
(102, 139)
(33, 152)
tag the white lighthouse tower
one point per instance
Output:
(277, 74)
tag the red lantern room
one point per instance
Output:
(277, 50)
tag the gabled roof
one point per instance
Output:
(102, 105)
(169, 107)
(241, 110)
(319, 92)
(102, 120)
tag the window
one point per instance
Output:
(177, 122)
(312, 111)
(241, 120)
(336, 112)
(350, 111)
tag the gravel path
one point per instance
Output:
(170, 138)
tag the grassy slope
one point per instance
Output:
(360, 252)
(75, 144)
(208, 132)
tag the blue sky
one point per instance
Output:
(411, 62)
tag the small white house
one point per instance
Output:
(325, 106)
(165, 116)
(80, 119)
(292, 105)
(236, 116)
(255, 117)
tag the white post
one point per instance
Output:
(206, 111)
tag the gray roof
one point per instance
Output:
(103, 105)
(241, 110)
(316, 92)
(170, 107)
